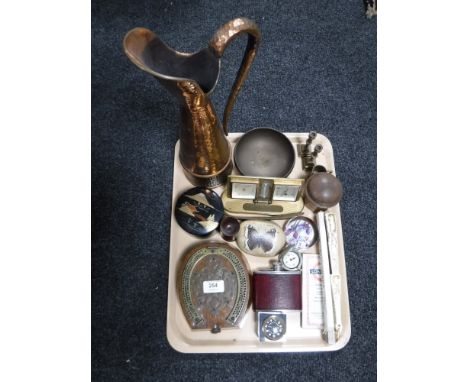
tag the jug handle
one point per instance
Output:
(221, 39)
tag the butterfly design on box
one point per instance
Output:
(264, 240)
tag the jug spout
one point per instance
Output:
(147, 51)
(204, 150)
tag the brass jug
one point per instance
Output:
(204, 151)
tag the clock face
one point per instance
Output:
(243, 190)
(291, 260)
(286, 192)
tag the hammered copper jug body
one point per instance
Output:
(204, 151)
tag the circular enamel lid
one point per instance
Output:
(199, 211)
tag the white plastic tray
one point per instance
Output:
(244, 340)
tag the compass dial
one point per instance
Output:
(273, 327)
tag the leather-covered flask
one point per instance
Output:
(277, 290)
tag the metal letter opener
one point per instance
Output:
(330, 222)
(329, 321)
(331, 275)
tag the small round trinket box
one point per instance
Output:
(199, 211)
(301, 233)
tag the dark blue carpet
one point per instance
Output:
(316, 69)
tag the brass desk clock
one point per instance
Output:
(263, 196)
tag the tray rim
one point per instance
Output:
(184, 347)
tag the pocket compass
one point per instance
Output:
(272, 326)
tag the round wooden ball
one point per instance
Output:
(323, 190)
